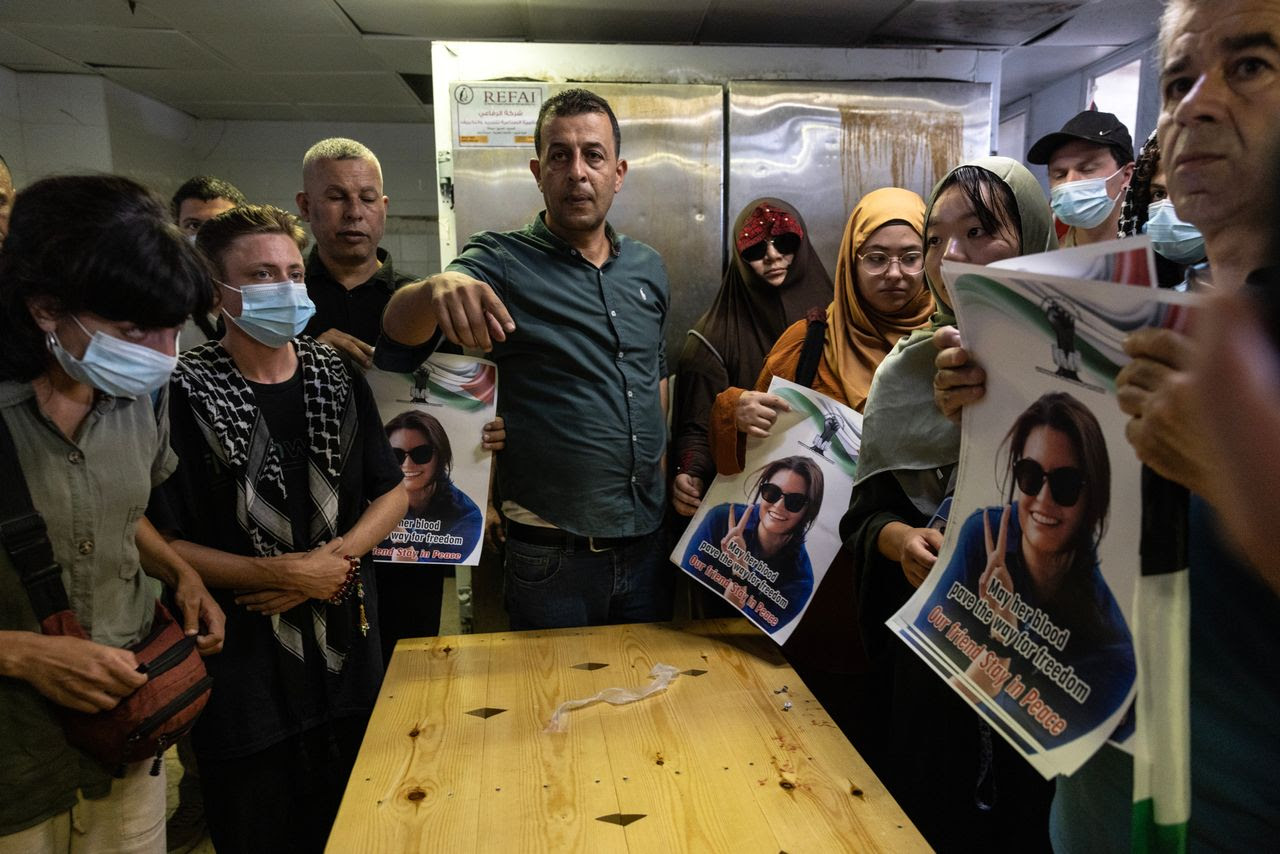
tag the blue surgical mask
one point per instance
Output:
(273, 314)
(1084, 204)
(1176, 240)
(115, 366)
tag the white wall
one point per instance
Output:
(62, 120)
(61, 123)
(150, 141)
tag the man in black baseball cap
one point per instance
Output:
(1090, 164)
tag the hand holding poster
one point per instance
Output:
(434, 418)
(1028, 611)
(763, 539)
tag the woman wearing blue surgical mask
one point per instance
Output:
(1148, 210)
(90, 306)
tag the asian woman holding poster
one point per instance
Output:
(985, 210)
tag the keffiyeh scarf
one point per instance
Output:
(229, 418)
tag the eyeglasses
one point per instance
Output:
(793, 501)
(876, 263)
(1064, 483)
(420, 455)
(786, 244)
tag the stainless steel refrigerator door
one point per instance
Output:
(673, 142)
(822, 145)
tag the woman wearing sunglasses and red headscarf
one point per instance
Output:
(773, 278)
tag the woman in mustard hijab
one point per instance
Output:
(880, 297)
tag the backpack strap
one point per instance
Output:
(815, 339)
(26, 538)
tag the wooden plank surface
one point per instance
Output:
(714, 763)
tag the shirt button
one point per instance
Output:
(85, 547)
(634, 438)
(633, 478)
(75, 458)
(613, 313)
(630, 393)
(619, 354)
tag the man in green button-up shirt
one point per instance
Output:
(573, 314)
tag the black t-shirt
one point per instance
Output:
(249, 709)
(283, 408)
(357, 311)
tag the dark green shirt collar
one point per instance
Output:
(538, 228)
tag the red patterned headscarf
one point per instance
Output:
(764, 222)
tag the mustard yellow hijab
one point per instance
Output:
(859, 336)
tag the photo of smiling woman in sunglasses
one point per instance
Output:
(759, 547)
(1025, 583)
(436, 507)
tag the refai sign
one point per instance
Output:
(495, 115)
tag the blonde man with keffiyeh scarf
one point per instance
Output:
(286, 483)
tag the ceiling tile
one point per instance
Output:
(21, 55)
(401, 53)
(364, 113)
(122, 48)
(814, 22)
(263, 16)
(383, 87)
(974, 22)
(179, 86)
(259, 49)
(660, 21)
(1117, 22)
(445, 19)
(241, 110)
(102, 13)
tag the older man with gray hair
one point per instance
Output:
(349, 277)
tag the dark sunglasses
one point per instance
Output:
(786, 244)
(420, 455)
(793, 501)
(1064, 483)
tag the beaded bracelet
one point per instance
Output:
(352, 583)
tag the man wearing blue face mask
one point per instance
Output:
(286, 483)
(1090, 163)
